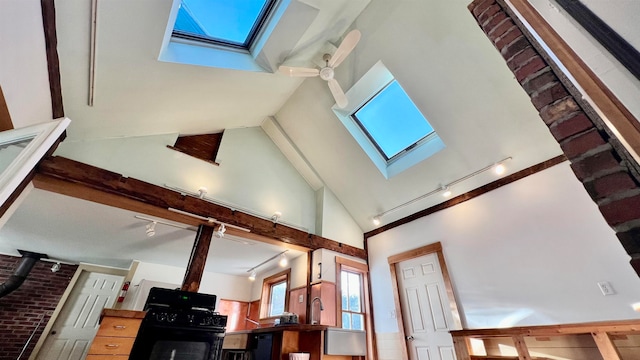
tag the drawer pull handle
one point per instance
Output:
(112, 346)
(119, 327)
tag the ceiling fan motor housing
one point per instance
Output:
(326, 73)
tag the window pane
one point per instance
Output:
(346, 320)
(223, 20)
(392, 120)
(276, 303)
(344, 290)
(354, 292)
(357, 321)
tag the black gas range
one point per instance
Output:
(180, 325)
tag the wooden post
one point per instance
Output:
(198, 259)
(521, 347)
(5, 117)
(606, 346)
(461, 347)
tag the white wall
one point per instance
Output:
(253, 173)
(223, 286)
(334, 221)
(528, 253)
(23, 63)
(298, 276)
(328, 260)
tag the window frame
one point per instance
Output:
(375, 143)
(258, 25)
(369, 85)
(344, 264)
(267, 286)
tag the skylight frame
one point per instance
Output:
(261, 21)
(370, 84)
(373, 140)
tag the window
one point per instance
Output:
(386, 123)
(352, 283)
(351, 295)
(392, 121)
(275, 299)
(227, 23)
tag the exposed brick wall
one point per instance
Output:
(34, 300)
(605, 168)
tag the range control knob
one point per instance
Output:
(172, 317)
(161, 316)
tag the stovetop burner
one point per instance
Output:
(191, 318)
(178, 308)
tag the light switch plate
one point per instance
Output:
(300, 299)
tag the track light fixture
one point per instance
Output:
(55, 267)
(497, 167)
(276, 216)
(283, 260)
(151, 229)
(220, 232)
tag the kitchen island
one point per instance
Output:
(277, 342)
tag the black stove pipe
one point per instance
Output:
(20, 274)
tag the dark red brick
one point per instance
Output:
(493, 22)
(488, 13)
(480, 6)
(522, 58)
(572, 126)
(22, 309)
(630, 240)
(559, 110)
(538, 81)
(607, 185)
(508, 38)
(622, 210)
(635, 264)
(532, 67)
(579, 145)
(515, 47)
(501, 29)
(549, 95)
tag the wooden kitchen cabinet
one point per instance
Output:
(115, 337)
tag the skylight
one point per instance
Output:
(386, 123)
(230, 23)
(392, 121)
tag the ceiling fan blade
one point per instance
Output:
(338, 94)
(350, 41)
(299, 71)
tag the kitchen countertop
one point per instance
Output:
(278, 328)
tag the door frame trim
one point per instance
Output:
(435, 248)
(65, 296)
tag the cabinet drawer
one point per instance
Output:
(116, 326)
(107, 357)
(111, 345)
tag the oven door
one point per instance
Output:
(177, 343)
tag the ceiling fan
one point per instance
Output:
(326, 73)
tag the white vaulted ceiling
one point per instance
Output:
(433, 47)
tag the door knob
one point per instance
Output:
(410, 337)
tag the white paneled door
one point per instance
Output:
(77, 324)
(425, 308)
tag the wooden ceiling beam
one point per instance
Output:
(72, 178)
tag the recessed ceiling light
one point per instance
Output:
(499, 169)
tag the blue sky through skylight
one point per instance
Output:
(393, 120)
(224, 20)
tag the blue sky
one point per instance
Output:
(224, 19)
(393, 120)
